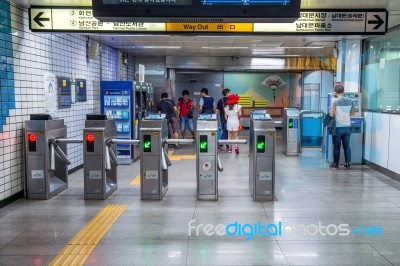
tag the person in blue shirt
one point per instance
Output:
(342, 108)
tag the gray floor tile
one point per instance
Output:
(337, 259)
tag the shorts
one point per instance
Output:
(232, 125)
(174, 123)
(185, 121)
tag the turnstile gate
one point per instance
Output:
(100, 161)
(290, 131)
(46, 174)
(262, 158)
(154, 160)
(207, 158)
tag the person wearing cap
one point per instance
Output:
(342, 108)
(233, 113)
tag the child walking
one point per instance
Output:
(233, 113)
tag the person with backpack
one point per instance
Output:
(206, 104)
(185, 113)
(167, 106)
(221, 110)
(233, 113)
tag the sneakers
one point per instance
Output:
(237, 149)
(230, 149)
(334, 166)
(221, 148)
(347, 166)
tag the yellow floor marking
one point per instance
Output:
(135, 181)
(79, 248)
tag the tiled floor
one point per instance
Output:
(32, 232)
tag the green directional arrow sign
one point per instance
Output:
(260, 144)
(147, 143)
(203, 143)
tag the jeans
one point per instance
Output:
(185, 121)
(224, 133)
(341, 135)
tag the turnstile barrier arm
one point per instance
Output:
(62, 155)
(123, 141)
(178, 141)
(68, 141)
(220, 167)
(108, 166)
(112, 155)
(167, 160)
(232, 141)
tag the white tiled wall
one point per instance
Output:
(34, 55)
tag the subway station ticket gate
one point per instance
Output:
(46, 173)
(207, 160)
(154, 160)
(262, 158)
(100, 161)
(291, 131)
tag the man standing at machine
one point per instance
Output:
(342, 108)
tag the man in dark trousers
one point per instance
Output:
(220, 107)
(168, 107)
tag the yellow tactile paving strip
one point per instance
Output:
(136, 181)
(174, 157)
(82, 244)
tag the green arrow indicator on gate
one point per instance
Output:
(147, 145)
(260, 146)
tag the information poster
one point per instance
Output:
(50, 94)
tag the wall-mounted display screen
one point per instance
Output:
(197, 10)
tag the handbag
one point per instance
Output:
(241, 127)
(190, 114)
(330, 124)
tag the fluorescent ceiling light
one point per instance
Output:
(223, 47)
(160, 47)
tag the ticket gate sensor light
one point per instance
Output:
(291, 131)
(46, 173)
(262, 158)
(100, 161)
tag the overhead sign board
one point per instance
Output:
(310, 22)
(323, 22)
(82, 20)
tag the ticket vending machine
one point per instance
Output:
(207, 157)
(42, 180)
(154, 160)
(262, 157)
(291, 131)
(100, 161)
